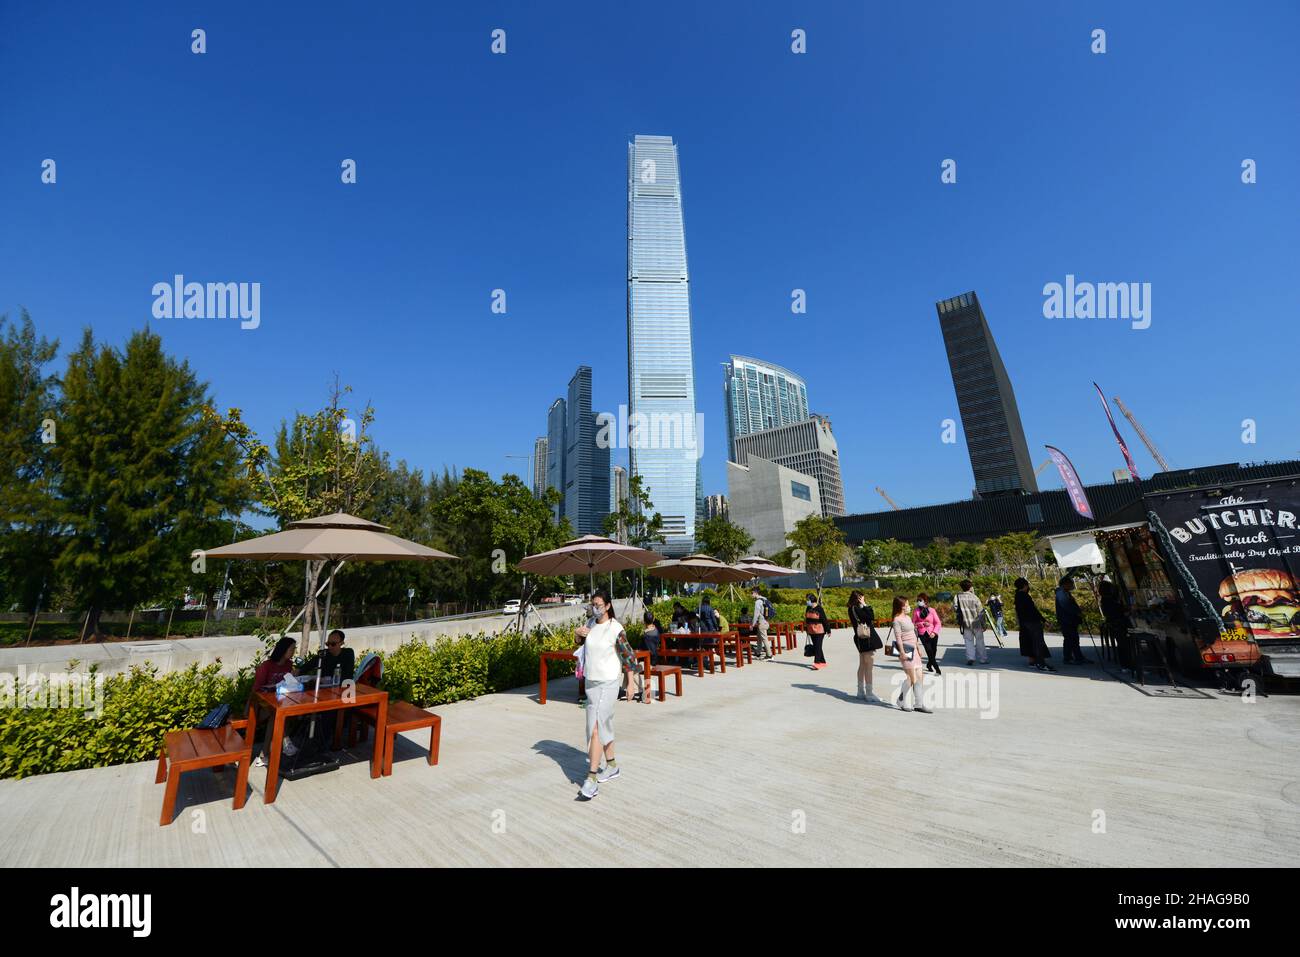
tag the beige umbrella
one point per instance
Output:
(589, 554)
(330, 538)
(700, 568)
(761, 567)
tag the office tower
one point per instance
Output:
(617, 497)
(555, 457)
(660, 369)
(539, 466)
(758, 396)
(586, 461)
(767, 500)
(715, 505)
(808, 447)
(989, 417)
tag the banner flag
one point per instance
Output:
(1078, 497)
(1128, 459)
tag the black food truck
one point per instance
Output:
(1214, 573)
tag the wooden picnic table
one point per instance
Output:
(706, 650)
(311, 702)
(548, 656)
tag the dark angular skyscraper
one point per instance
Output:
(995, 438)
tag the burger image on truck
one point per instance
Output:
(1210, 575)
(1264, 599)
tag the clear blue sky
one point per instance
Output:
(818, 171)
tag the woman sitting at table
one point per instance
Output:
(268, 675)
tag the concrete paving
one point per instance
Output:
(772, 764)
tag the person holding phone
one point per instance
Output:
(909, 656)
(863, 621)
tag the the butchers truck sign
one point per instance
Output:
(1242, 550)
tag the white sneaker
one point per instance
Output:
(290, 749)
(871, 698)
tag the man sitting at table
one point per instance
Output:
(335, 656)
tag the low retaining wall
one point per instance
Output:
(236, 651)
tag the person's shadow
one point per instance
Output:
(837, 693)
(573, 762)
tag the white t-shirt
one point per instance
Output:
(602, 656)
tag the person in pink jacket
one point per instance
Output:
(927, 623)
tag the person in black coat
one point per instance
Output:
(1032, 644)
(816, 626)
(1116, 615)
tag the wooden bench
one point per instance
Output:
(402, 716)
(700, 656)
(190, 750)
(662, 672)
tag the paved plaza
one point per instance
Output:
(772, 764)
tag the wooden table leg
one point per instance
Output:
(338, 730)
(541, 692)
(273, 765)
(381, 733)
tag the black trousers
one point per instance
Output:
(931, 644)
(818, 657)
(1071, 645)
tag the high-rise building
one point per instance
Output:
(660, 367)
(539, 466)
(618, 493)
(760, 395)
(990, 419)
(715, 505)
(555, 457)
(808, 447)
(586, 461)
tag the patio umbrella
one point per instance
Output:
(761, 567)
(589, 554)
(330, 538)
(700, 568)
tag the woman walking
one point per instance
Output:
(909, 656)
(928, 623)
(608, 656)
(1032, 644)
(816, 626)
(863, 621)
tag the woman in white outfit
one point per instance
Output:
(608, 655)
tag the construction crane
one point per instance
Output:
(1039, 471)
(1142, 434)
(885, 496)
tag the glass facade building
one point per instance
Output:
(586, 464)
(662, 442)
(990, 418)
(758, 396)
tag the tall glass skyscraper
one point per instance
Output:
(760, 396)
(586, 461)
(660, 368)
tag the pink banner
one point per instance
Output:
(1078, 497)
(1128, 459)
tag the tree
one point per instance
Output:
(899, 556)
(723, 539)
(964, 557)
(143, 476)
(491, 526)
(29, 527)
(644, 527)
(821, 543)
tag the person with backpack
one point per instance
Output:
(927, 624)
(759, 623)
(863, 621)
(816, 626)
(970, 619)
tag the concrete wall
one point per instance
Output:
(235, 652)
(760, 501)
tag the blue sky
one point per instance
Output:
(819, 172)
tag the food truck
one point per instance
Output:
(1212, 572)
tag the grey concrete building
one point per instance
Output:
(767, 499)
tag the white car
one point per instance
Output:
(512, 607)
